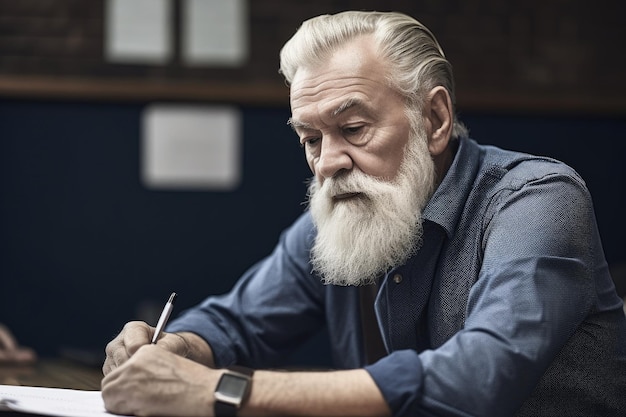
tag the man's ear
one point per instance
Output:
(439, 112)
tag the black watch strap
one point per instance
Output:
(229, 409)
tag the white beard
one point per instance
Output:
(360, 238)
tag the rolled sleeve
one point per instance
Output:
(399, 379)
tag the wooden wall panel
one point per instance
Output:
(522, 55)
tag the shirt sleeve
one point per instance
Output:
(535, 287)
(271, 310)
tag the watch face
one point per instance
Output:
(231, 388)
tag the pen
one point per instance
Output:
(165, 315)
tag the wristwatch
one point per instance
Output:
(232, 390)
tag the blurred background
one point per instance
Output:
(144, 147)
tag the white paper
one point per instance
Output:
(191, 147)
(138, 31)
(52, 401)
(214, 32)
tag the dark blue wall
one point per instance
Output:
(83, 244)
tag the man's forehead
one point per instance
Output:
(334, 94)
(332, 109)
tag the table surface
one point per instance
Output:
(52, 373)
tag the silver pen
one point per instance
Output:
(165, 315)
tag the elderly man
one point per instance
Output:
(453, 278)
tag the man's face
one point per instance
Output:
(346, 115)
(373, 173)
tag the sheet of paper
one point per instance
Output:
(52, 401)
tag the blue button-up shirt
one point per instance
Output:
(510, 277)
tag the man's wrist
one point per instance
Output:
(197, 349)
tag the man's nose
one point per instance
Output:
(334, 157)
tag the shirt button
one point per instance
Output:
(397, 278)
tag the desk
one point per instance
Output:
(52, 373)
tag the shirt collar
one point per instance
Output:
(446, 205)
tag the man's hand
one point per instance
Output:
(152, 381)
(136, 334)
(133, 336)
(175, 378)
(155, 382)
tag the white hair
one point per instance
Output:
(416, 61)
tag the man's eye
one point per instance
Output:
(351, 130)
(310, 141)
